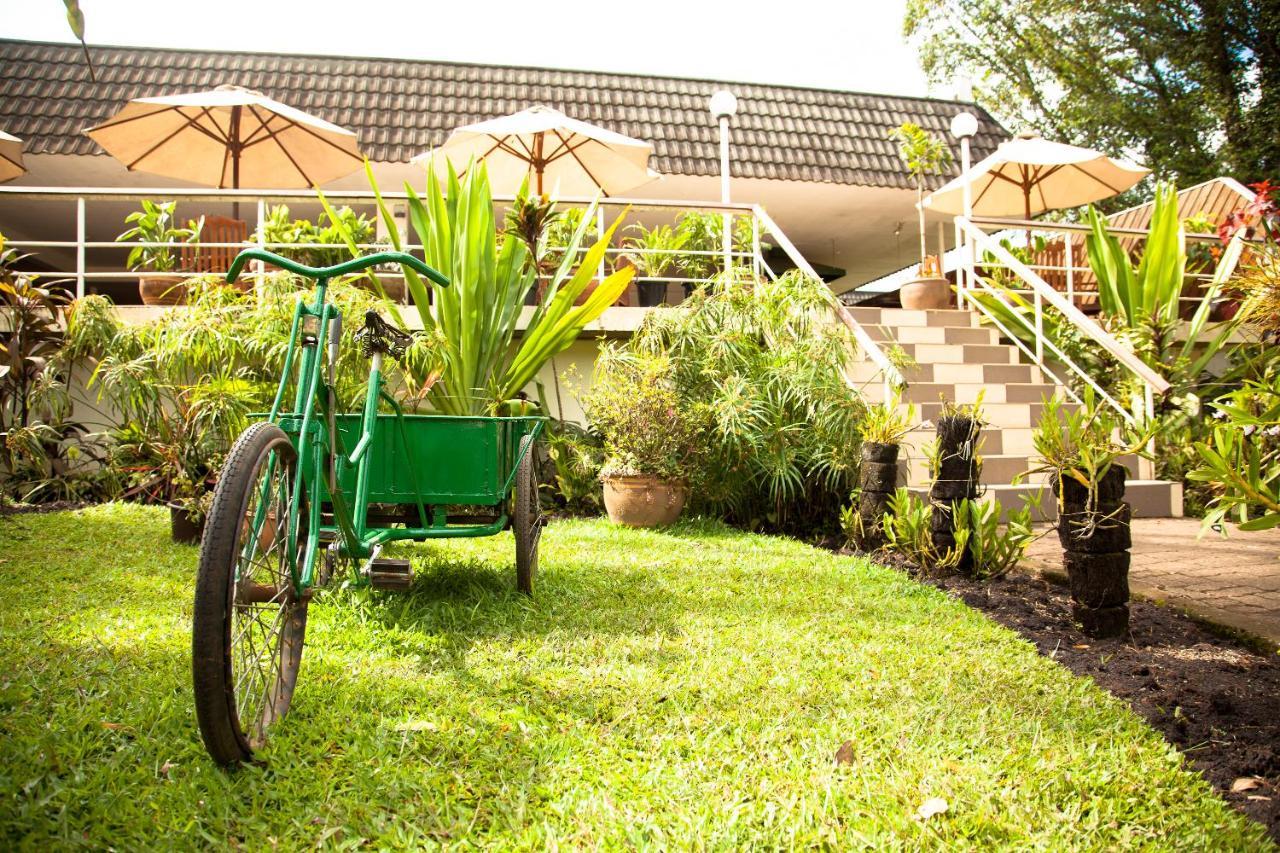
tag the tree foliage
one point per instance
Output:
(1193, 86)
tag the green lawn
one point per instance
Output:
(683, 689)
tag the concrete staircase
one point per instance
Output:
(957, 359)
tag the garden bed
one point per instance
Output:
(1215, 698)
(696, 687)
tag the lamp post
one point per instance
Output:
(724, 105)
(963, 127)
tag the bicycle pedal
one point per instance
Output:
(389, 573)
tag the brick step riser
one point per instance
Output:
(967, 392)
(1024, 374)
(933, 335)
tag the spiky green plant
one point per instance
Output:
(768, 363)
(476, 316)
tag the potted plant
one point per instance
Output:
(956, 467)
(651, 437)
(655, 254)
(882, 429)
(154, 228)
(560, 234)
(1081, 455)
(924, 154)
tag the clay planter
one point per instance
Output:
(162, 290)
(924, 294)
(183, 528)
(643, 501)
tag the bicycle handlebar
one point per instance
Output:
(353, 265)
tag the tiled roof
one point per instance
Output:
(400, 108)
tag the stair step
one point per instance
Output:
(961, 353)
(968, 392)
(1027, 374)
(902, 317)
(998, 415)
(1007, 441)
(932, 335)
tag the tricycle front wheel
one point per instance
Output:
(526, 518)
(249, 622)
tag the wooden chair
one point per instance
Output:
(215, 259)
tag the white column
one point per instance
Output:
(80, 247)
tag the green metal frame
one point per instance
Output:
(474, 459)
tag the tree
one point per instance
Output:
(1190, 86)
(923, 154)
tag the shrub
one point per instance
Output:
(767, 363)
(647, 426)
(576, 457)
(996, 549)
(182, 387)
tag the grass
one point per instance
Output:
(683, 689)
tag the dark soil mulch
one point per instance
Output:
(1215, 698)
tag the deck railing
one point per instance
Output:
(984, 255)
(100, 264)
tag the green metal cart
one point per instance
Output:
(308, 489)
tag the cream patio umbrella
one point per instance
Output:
(11, 165)
(1029, 175)
(580, 159)
(228, 137)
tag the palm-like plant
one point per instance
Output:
(763, 357)
(489, 273)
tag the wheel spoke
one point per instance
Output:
(257, 635)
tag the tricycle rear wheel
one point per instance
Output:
(249, 622)
(526, 518)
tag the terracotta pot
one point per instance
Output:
(183, 528)
(162, 290)
(925, 293)
(643, 501)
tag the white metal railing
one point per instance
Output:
(83, 269)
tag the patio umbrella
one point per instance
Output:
(581, 159)
(10, 157)
(1029, 175)
(228, 137)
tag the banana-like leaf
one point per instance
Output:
(1111, 266)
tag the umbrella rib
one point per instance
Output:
(1096, 178)
(568, 148)
(309, 131)
(283, 149)
(565, 147)
(122, 121)
(588, 171)
(153, 148)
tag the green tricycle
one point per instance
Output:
(308, 489)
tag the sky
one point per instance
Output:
(839, 44)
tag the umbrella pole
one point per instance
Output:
(234, 142)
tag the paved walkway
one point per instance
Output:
(1233, 581)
